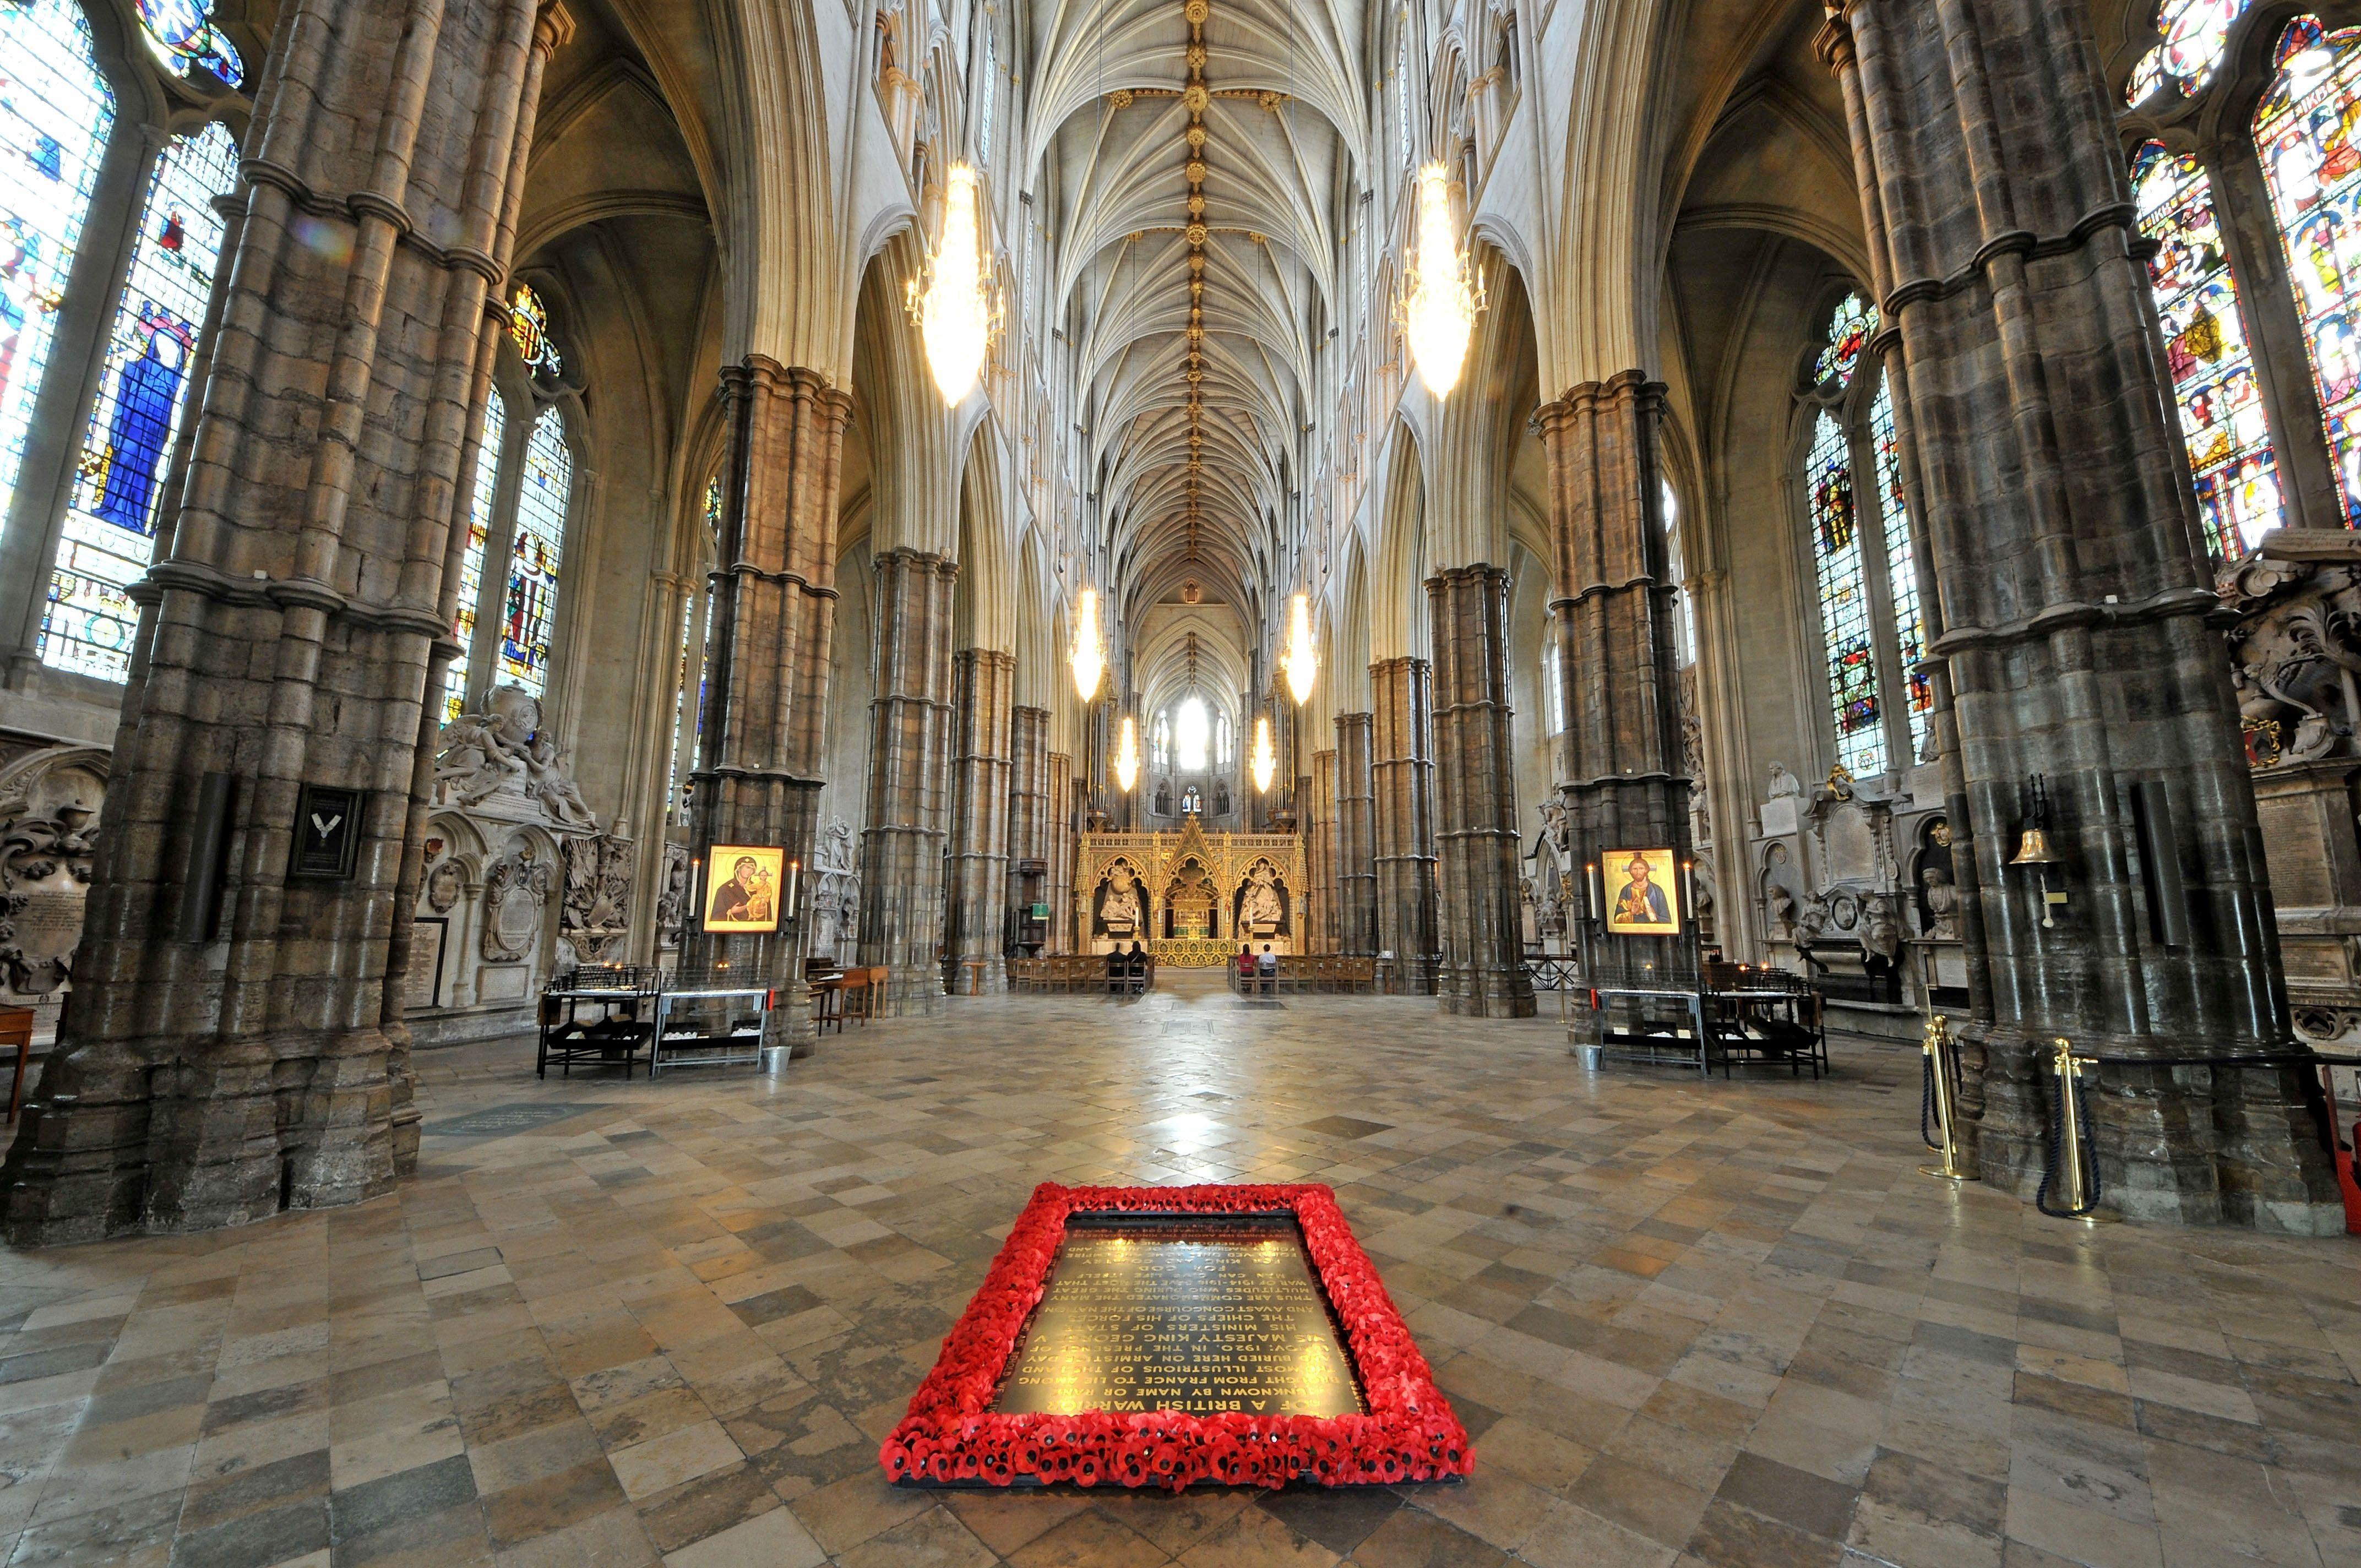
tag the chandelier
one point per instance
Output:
(1266, 760)
(954, 311)
(1088, 663)
(1441, 299)
(1127, 756)
(1300, 664)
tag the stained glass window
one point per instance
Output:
(1844, 600)
(2194, 33)
(182, 33)
(2222, 416)
(55, 113)
(531, 615)
(529, 326)
(1855, 325)
(1909, 619)
(2304, 131)
(1677, 570)
(110, 525)
(686, 728)
(471, 560)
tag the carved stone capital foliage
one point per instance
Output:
(2295, 653)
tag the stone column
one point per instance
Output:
(2020, 327)
(1320, 855)
(1058, 833)
(1619, 756)
(978, 871)
(768, 662)
(909, 780)
(1356, 841)
(225, 1053)
(1477, 903)
(1402, 773)
(1029, 806)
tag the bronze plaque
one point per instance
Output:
(1171, 1312)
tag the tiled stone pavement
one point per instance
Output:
(1721, 1323)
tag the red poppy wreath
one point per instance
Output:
(950, 1436)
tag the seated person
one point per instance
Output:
(1138, 965)
(1246, 965)
(1117, 967)
(1268, 965)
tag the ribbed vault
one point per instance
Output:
(1198, 156)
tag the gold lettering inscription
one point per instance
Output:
(1200, 1316)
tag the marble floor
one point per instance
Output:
(1695, 1323)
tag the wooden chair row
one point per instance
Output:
(1074, 972)
(1327, 975)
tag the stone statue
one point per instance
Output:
(1880, 933)
(1942, 904)
(1784, 786)
(595, 917)
(672, 898)
(1262, 904)
(1122, 899)
(836, 891)
(1557, 826)
(502, 747)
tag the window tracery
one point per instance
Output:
(531, 615)
(2304, 132)
(528, 329)
(2220, 405)
(1872, 628)
(184, 38)
(56, 113)
(107, 540)
(471, 560)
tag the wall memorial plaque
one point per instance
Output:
(424, 987)
(1158, 1336)
(327, 833)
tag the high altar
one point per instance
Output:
(1192, 896)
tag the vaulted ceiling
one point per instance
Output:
(1199, 152)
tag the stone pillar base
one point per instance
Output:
(1486, 994)
(912, 991)
(2177, 1145)
(991, 981)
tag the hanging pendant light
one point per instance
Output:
(1089, 664)
(1440, 303)
(1266, 760)
(1127, 756)
(1301, 662)
(955, 314)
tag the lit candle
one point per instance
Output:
(1688, 890)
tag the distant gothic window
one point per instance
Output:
(471, 560)
(110, 525)
(1192, 733)
(686, 728)
(1161, 745)
(1872, 629)
(182, 33)
(1844, 601)
(56, 111)
(1553, 687)
(2206, 351)
(990, 91)
(530, 613)
(528, 327)
(1901, 572)
(1676, 572)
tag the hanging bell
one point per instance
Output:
(2034, 849)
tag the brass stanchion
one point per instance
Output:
(1942, 1070)
(2075, 1177)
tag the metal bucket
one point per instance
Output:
(1593, 1058)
